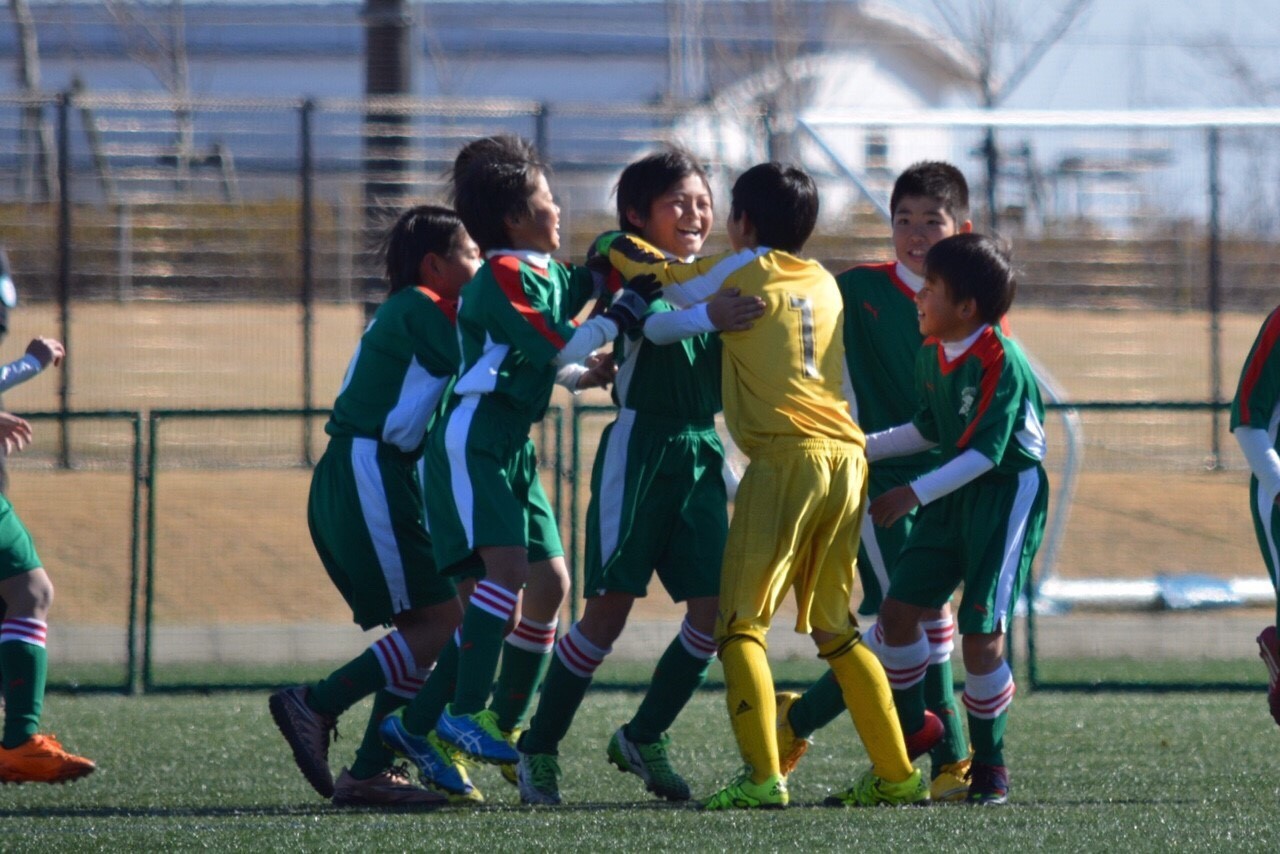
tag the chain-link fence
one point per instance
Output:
(213, 255)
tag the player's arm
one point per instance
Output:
(727, 311)
(901, 500)
(1257, 395)
(41, 353)
(683, 283)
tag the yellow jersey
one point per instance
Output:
(783, 377)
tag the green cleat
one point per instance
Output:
(538, 775)
(742, 794)
(650, 763)
(873, 791)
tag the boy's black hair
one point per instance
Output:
(492, 179)
(936, 180)
(974, 266)
(418, 231)
(649, 177)
(781, 201)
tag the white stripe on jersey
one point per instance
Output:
(377, 518)
(1015, 535)
(455, 442)
(420, 393)
(613, 483)
(482, 377)
(1031, 436)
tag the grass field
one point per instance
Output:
(1108, 772)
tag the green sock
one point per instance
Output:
(562, 694)
(818, 706)
(24, 666)
(424, 710)
(940, 698)
(347, 685)
(910, 704)
(988, 738)
(518, 680)
(372, 756)
(482, 634)
(676, 677)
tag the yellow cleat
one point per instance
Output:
(951, 785)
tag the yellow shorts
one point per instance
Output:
(796, 522)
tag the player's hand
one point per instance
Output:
(893, 505)
(627, 311)
(598, 252)
(47, 351)
(730, 312)
(600, 371)
(15, 433)
(647, 286)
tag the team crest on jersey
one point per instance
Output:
(967, 397)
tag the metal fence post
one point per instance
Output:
(64, 272)
(1215, 293)
(306, 250)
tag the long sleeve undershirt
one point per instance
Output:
(1262, 457)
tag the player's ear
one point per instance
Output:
(429, 268)
(636, 219)
(966, 227)
(968, 307)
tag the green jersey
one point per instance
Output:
(1257, 400)
(513, 318)
(680, 380)
(881, 340)
(987, 400)
(397, 379)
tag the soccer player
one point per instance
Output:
(518, 337)
(929, 202)
(365, 512)
(982, 511)
(1255, 414)
(26, 756)
(657, 496)
(799, 506)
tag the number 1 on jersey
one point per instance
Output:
(805, 307)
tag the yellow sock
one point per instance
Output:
(753, 714)
(870, 702)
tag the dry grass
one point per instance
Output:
(231, 543)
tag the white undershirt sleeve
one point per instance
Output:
(1262, 457)
(588, 338)
(19, 371)
(965, 468)
(569, 375)
(900, 441)
(668, 327)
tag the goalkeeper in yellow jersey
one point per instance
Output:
(800, 504)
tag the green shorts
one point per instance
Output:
(879, 549)
(483, 489)
(658, 502)
(983, 535)
(17, 549)
(365, 516)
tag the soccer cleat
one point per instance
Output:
(988, 785)
(742, 794)
(389, 788)
(538, 776)
(790, 746)
(650, 763)
(922, 740)
(508, 769)
(476, 735)
(873, 791)
(308, 733)
(951, 785)
(434, 762)
(40, 759)
(1269, 649)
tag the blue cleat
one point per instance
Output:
(435, 767)
(477, 735)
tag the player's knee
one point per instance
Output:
(835, 644)
(738, 636)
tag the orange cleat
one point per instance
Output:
(40, 759)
